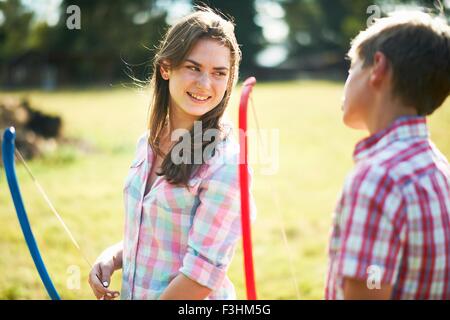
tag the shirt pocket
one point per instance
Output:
(177, 199)
(169, 215)
(175, 210)
(134, 179)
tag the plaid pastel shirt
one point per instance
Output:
(173, 229)
(393, 216)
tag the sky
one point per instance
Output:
(46, 10)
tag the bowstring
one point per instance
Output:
(52, 208)
(287, 246)
(261, 146)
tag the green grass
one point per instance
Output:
(86, 187)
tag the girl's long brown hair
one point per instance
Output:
(174, 48)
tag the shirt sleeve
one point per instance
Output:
(216, 227)
(371, 224)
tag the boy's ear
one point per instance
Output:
(164, 69)
(380, 69)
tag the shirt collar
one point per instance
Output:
(405, 127)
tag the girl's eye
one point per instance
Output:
(220, 74)
(193, 68)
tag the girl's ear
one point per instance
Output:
(164, 69)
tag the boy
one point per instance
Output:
(391, 229)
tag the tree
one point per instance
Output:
(14, 29)
(322, 25)
(112, 34)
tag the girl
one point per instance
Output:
(182, 201)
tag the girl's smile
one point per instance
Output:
(198, 98)
(199, 84)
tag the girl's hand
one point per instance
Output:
(102, 270)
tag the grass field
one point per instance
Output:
(314, 155)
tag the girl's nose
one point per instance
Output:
(204, 82)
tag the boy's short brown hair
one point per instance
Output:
(417, 47)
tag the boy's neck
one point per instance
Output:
(386, 113)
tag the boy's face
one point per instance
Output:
(357, 96)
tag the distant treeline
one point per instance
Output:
(115, 39)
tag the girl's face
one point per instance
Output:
(198, 85)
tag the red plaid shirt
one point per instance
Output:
(391, 224)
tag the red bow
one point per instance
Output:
(245, 193)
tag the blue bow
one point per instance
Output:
(8, 150)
